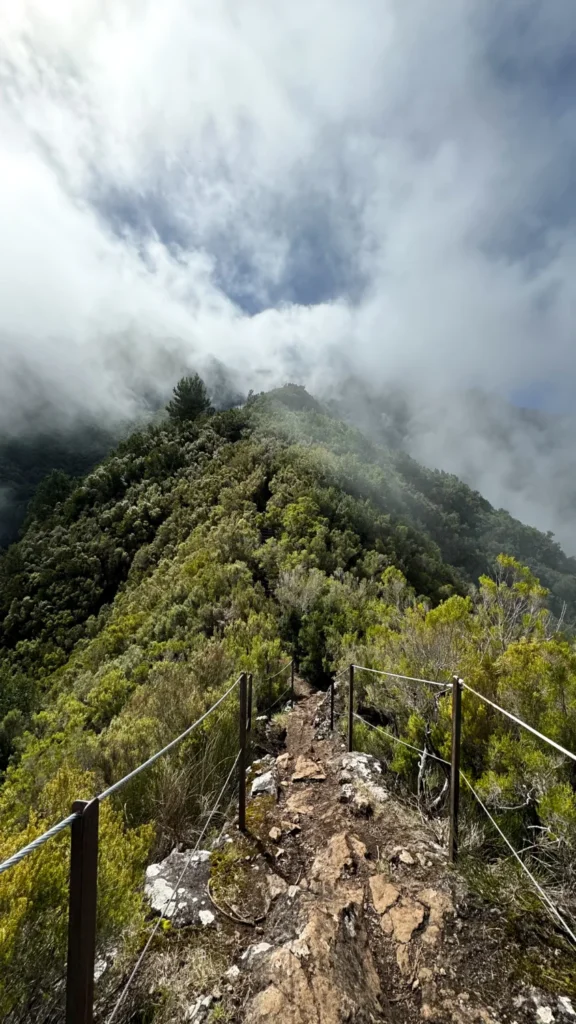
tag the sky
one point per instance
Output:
(301, 191)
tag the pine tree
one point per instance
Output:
(190, 400)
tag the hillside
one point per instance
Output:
(203, 547)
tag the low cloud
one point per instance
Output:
(298, 191)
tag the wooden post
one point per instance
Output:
(82, 913)
(332, 704)
(292, 683)
(351, 709)
(269, 712)
(455, 769)
(249, 699)
(242, 758)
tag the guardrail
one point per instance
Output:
(83, 824)
(455, 688)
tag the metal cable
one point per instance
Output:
(61, 825)
(37, 843)
(267, 679)
(396, 675)
(543, 895)
(146, 764)
(519, 721)
(171, 898)
(278, 699)
(396, 739)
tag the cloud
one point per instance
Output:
(302, 188)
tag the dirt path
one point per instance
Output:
(367, 922)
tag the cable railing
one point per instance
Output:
(83, 823)
(455, 688)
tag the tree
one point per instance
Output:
(190, 400)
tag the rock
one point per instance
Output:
(265, 785)
(301, 802)
(438, 903)
(253, 952)
(384, 895)
(275, 834)
(293, 891)
(206, 917)
(347, 793)
(307, 770)
(282, 760)
(361, 806)
(232, 973)
(363, 766)
(565, 1006)
(276, 886)
(325, 976)
(545, 1015)
(406, 917)
(345, 777)
(406, 858)
(291, 827)
(340, 858)
(182, 907)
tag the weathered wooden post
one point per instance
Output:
(242, 758)
(82, 913)
(269, 712)
(455, 769)
(351, 709)
(249, 699)
(292, 683)
(332, 704)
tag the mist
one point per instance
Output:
(298, 192)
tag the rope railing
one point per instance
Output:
(66, 822)
(396, 739)
(396, 675)
(551, 907)
(170, 899)
(518, 721)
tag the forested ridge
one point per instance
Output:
(216, 542)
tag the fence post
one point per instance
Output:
(249, 700)
(292, 683)
(332, 704)
(351, 709)
(269, 712)
(242, 758)
(455, 769)
(82, 913)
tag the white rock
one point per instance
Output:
(232, 972)
(254, 951)
(264, 784)
(407, 858)
(544, 1014)
(565, 1006)
(206, 917)
(293, 891)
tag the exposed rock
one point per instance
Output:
(293, 891)
(259, 949)
(265, 785)
(276, 886)
(232, 973)
(363, 766)
(339, 859)
(438, 903)
(301, 802)
(406, 917)
(282, 760)
(291, 827)
(361, 806)
(206, 917)
(322, 984)
(183, 906)
(406, 857)
(384, 895)
(275, 834)
(545, 1015)
(565, 1006)
(347, 793)
(307, 770)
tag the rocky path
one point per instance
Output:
(339, 905)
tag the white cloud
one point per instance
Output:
(358, 172)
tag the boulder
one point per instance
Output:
(185, 905)
(265, 784)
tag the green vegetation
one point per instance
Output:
(213, 543)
